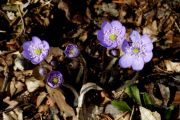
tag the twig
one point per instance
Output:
(21, 16)
(177, 26)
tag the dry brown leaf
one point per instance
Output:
(129, 2)
(177, 98)
(40, 98)
(19, 86)
(165, 92)
(32, 84)
(11, 103)
(148, 115)
(57, 96)
(19, 113)
(43, 108)
(123, 116)
(113, 111)
(172, 66)
(6, 116)
(151, 29)
(12, 87)
(64, 6)
(55, 52)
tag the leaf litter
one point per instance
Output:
(92, 81)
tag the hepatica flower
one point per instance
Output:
(54, 79)
(71, 51)
(111, 34)
(35, 50)
(136, 53)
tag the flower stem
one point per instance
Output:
(111, 63)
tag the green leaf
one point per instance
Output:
(133, 92)
(168, 112)
(147, 99)
(121, 105)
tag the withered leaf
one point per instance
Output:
(148, 115)
(40, 98)
(59, 98)
(165, 92)
(177, 98)
(172, 66)
(11, 103)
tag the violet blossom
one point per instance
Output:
(71, 51)
(55, 79)
(136, 53)
(111, 34)
(36, 50)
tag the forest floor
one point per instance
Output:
(95, 87)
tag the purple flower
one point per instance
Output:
(136, 53)
(71, 51)
(111, 34)
(35, 50)
(55, 79)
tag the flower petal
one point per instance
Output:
(100, 35)
(106, 26)
(36, 40)
(116, 24)
(26, 45)
(26, 54)
(45, 45)
(148, 56)
(147, 43)
(137, 63)
(126, 61)
(123, 31)
(37, 60)
(135, 36)
(125, 45)
(145, 39)
(119, 41)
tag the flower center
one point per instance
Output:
(136, 50)
(37, 51)
(112, 37)
(55, 80)
(72, 51)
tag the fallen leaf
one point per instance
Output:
(146, 114)
(59, 98)
(84, 89)
(6, 116)
(177, 98)
(32, 84)
(11, 103)
(172, 66)
(40, 98)
(19, 113)
(12, 87)
(19, 86)
(65, 7)
(165, 92)
(110, 109)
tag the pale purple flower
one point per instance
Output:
(55, 79)
(71, 51)
(35, 50)
(136, 53)
(111, 34)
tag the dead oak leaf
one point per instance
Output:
(172, 66)
(57, 96)
(11, 103)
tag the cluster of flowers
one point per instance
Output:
(36, 51)
(136, 52)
